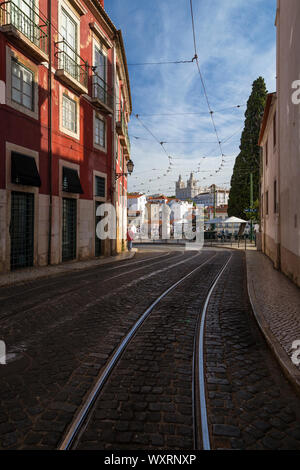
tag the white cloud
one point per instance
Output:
(236, 44)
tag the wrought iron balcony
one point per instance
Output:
(25, 27)
(71, 68)
(121, 124)
(127, 146)
(102, 94)
(122, 130)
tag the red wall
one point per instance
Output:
(19, 129)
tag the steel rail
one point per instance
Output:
(6, 315)
(83, 413)
(198, 360)
(82, 273)
(60, 295)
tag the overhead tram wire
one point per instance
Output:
(184, 142)
(192, 113)
(202, 80)
(151, 133)
(163, 63)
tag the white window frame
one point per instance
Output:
(69, 124)
(27, 64)
(22, 68)
(65, 92)
(98, 146)
(99, 45)
(75, 16)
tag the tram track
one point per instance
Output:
(202, 438)
(83, 416)
(82, 274)
(61, 294)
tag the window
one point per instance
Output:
(267, 153)
(69, 34)
(267, 203)
(274, 129)
(71, 181)
(100, 77)
(99, 186)
(100, 132)
(275, 197)
(69, 114)
(22, 15)
(22, 85)
(24, 170)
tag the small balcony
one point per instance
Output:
(122, 130)
(127, 145)
(26, 28)
(102, 94)
(71, 69)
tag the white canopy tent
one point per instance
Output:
(235, 220)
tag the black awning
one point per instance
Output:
(71, 181)
(24, 170)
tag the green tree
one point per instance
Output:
(248, 160)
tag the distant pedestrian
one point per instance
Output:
(130, 236)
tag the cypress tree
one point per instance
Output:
(248, 160)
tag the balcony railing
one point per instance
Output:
(127, 142)
(102, 93)
(26, 21)
(123, 131)
(70, 63)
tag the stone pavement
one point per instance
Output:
(31, 274)
(251, 405)
(276, 304)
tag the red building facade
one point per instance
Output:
(65, 104)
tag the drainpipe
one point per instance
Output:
(50, 129)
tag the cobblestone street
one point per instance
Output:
(62, 332)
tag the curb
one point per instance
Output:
(61, 269)
(230, 248)
(289, 369)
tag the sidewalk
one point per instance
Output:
(32, 274)
(276, 305)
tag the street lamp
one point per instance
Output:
(130, 167)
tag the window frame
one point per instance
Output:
(21, 91)
(65, 96)
(25, 63)
(97, 145)
(97, 177)
(73, 15)
(104, 176)
(71, 96)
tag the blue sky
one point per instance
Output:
(236, 42)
